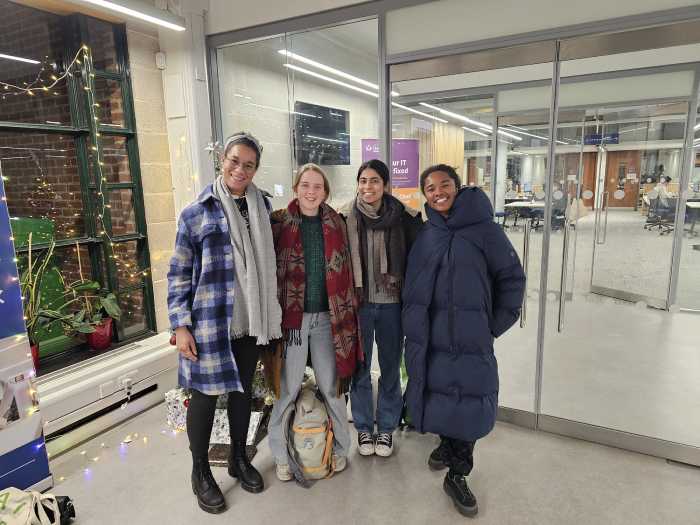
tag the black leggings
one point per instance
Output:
(200, 413)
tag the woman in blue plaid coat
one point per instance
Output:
(222, 305)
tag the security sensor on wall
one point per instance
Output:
(160, 60)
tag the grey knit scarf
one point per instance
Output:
(256, 310)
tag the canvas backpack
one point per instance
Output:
(310, 437)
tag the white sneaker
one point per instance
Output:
(340, 463)
(385, 444)
(283, 473)
(365, 443)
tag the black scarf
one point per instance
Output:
(389, 222)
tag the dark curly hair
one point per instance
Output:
(439, 167)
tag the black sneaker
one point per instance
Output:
(385, 445)
(365, 443)
(438, 457)
(456, 487)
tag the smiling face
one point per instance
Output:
(440, 192)
(240, 165)
(311, 192)
(370, 187)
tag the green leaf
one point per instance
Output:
(109, 303)
(86, 286)
(79, 316)
(85, 328)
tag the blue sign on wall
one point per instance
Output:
(23, 459)
(10, 296)
(596, 139)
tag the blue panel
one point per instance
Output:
(24, 466)
(10, 295)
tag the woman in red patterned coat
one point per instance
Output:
(319, 309)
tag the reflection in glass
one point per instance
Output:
(42, 186)
(35, 39)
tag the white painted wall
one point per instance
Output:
(448, 22)
(228, 15)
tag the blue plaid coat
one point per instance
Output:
(200, 295)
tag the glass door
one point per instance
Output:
(475, 114)
(617, 352)
(636, 192)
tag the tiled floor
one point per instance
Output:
(521, 477)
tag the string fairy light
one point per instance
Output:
(44, 190)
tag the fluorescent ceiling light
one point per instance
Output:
(19, 59)
(511, 135)
(477, 132)
(405, 108)
(359, 89)
(532, 134)
(331, 70)
(458, 116)
(325, 139)
(331, 80)
(158, 16)
(470, 121)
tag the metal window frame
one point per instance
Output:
(74, 28)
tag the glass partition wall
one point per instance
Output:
(311, 96)
(587, 148)
(595, 146)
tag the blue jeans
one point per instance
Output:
(382, 321)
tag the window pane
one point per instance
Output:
(334, 123)
(123, 216)
(108, 94)
(133, 305)
(37, 36)
(264, 113)
(127, 261)
(115, 159)
(104, 49)
(63, 269)
(42, 185)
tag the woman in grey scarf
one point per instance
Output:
(222, 302)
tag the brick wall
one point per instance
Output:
(35, 35)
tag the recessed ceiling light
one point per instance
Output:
(139, 10)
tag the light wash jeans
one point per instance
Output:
(316, 339)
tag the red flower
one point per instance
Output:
(186, 402)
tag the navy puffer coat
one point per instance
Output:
(464, 287)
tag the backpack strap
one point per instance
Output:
(292, 461)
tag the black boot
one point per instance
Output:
(204, 486)
(239, 467)
(455, 485)
(438, 457)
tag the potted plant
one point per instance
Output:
(30, 286)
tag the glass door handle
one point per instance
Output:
(562, 283)
(606, 205)
(526, 261)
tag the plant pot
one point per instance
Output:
(35, 356)
(101, 338)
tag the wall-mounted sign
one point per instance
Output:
(596, 139)
(404, 168)
(23, 459)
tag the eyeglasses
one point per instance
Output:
(248, 167)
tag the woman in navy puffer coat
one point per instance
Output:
(464, 287)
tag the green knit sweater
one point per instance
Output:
(315, 298)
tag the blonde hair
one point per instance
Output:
(312, 167)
